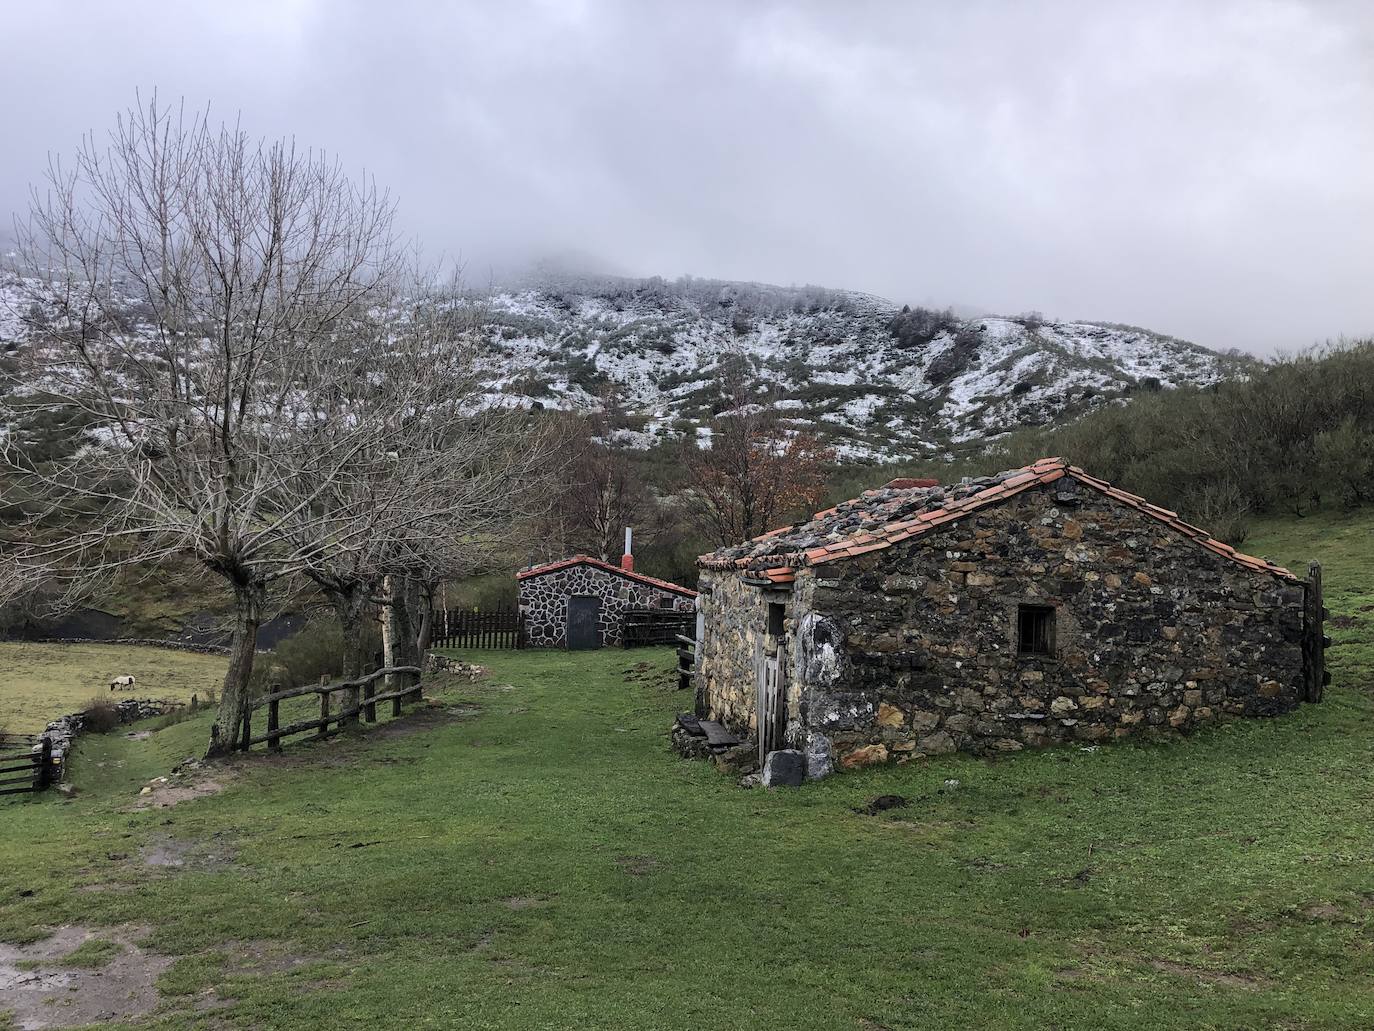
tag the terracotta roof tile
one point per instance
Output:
(889, 515)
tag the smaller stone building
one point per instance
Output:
(1036, 607)
(580, 602)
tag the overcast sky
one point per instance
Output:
(1201, 168)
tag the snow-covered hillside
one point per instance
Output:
(876, 379)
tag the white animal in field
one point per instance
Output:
(124, 683)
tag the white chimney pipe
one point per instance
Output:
(627, 560)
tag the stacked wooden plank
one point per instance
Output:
(718, 739)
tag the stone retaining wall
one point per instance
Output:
(141, 642)
(64, 730)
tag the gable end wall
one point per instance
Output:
(1152, 632)
(544, 602)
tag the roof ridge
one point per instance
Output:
(898, 528)
(610, 567)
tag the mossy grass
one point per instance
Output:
(92, 954)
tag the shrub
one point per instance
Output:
(316, 650)
(1295, 434)
(101, 716)
(957, 357)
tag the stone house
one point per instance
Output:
(1035, 607)
(581, 602)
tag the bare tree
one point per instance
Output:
(755, 471)
(599, 493)
(192, 278)
(439, 479)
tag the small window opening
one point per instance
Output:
(776, 614)
(1035, 630)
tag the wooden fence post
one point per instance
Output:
(45, 767)
(369, 706)
(1314, 636)
(324, 713)
(273, 725)
(247, 729)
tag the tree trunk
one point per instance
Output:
(403, 624)
(426, 629)
(417, 615)
(350, 604)
(226, 734)
(398, 631)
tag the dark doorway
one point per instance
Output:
(583, 614)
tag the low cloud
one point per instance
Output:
(1201, 169)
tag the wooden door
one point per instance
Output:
(770, 670)
(583, 615)
(772, 713)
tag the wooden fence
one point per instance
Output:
(366, 706)
(655, 626)
(473, 628)
(686, 662)
(31, 769)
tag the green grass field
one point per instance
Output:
(39, 682)
(535, 857)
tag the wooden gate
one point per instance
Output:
(772, 708)
(1314, 640)
(31, 769)
(655, 626)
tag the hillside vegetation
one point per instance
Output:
(1295, 438)
(536, 857)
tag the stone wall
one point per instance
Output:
(140, 642)
(912, 650)
(64, 730)
(544, 602)
(735, 617)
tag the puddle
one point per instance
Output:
(173, 853)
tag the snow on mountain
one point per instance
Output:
(875, 379)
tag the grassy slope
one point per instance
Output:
(41, 681)
(548, 863)
(1344, 544)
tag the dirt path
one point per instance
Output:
(41, 987)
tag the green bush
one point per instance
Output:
(101, 716)
(316, 650)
